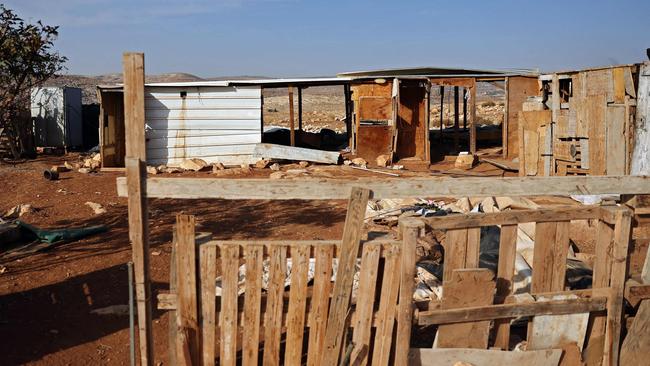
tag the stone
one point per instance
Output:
(18, 210)
(245, 169)
(303, 164)
(297, 171)
(171, 170)
(382, 160)
(347, 162)
(59, 168)
(217, 166)
(152, 170)
(261, 164)
(465, 161)
(84, 170)
(275, 167)
(69, 166)
(359, 162)
(161, 168)
(193, 164)
(277, 175)
(97, 157)
(96, 207)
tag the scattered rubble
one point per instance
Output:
(193, 164)
(359, 162)
(465, 160)
(303, 164)
(152, 170)
(277, 175)
(382, 160)
(263, 163)
(18, 210)
(275, 167)
(96, 207)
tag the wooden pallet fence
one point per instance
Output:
(473, 297)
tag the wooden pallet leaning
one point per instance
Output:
(548, 275)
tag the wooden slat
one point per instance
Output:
(455, 252)
(322, 189)
(505, 275)
(208, 274)
(171, 324)
(292, 127)
(320, 304)
(543, 257)
(473, 121)
(133, 64)
(410, 229)
(467, 356)
(345, 274)
(187, 316)
(228, 315)
(274, 304)
(616, 140)
(467, 287)
(617, 283)
(512, 217)
(473, 247)
(252, 304)
(386, 313)
(596, 106)
(560, 252)
(297, 305)
(365, 304)
(636, 345)
(504, 311)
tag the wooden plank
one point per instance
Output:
(410, 229)
(133, 64)
(616, 140)
(543, 257)
(297, 305)
(229, 296)
(271, 151)
(505, 275)
(558, 331)
(456, 253)
(252, 304)
(640, 161)
(504, 311)
(187, 317)
(171, 323)
(618, 79)
(343, 286)
(460, 356)
(386, 315)
(636, 345)
(617, 283)
(365, 304)
(208, 274)
(192, 188)
(560, 252)
(596, 107)
(512, 217)
(468, 287)
(274, 305)
(473, 247)
(320, 304)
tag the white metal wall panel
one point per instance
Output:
(214, 123)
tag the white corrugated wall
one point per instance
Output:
(213, 123)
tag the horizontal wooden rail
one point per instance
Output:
(504, 311)
(512, 217)
(194, 188)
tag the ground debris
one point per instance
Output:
(96, 207)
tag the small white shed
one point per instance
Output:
(57, 116)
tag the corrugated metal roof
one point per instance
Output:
(431, 71)
(246, 82)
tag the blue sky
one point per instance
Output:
(300, 37)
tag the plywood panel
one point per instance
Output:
(412, 126)
(519, 89)
(373, 141)
(616, 154)
(375, 108)
(596, 108)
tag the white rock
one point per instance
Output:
(96, 207)
(275, 167)
(193, 164)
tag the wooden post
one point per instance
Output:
(456, 119)
(292, 127)
(345, 275)
(187, 311)
(300, 109)
(472, 119)
(136, 176)
(410, 230)
(348, 113)
(506, 122)
(442, 108)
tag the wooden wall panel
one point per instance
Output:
(519, 88)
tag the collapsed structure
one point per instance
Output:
(299, 303)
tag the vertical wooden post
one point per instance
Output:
(506, 122)
(300, 109)
(464, 109)
(292, 127)
(410, 229)
(456, 119)
(187, 311)
(136, 176)
(348, 114)
(472, 119)
(442, 108)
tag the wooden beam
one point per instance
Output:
(442, 109)
(504, 311)
(472, 119)
(456, 120)
(187, 312)
(342, 291)
(136, 176)
(292, 127)
(468, 356)
(300, 108)
(636, 345)
(190, 188)
(410, 229)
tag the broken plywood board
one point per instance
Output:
(271, 151)
(556, 331)
(636, 345)
(468, 287)
(479, 357)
